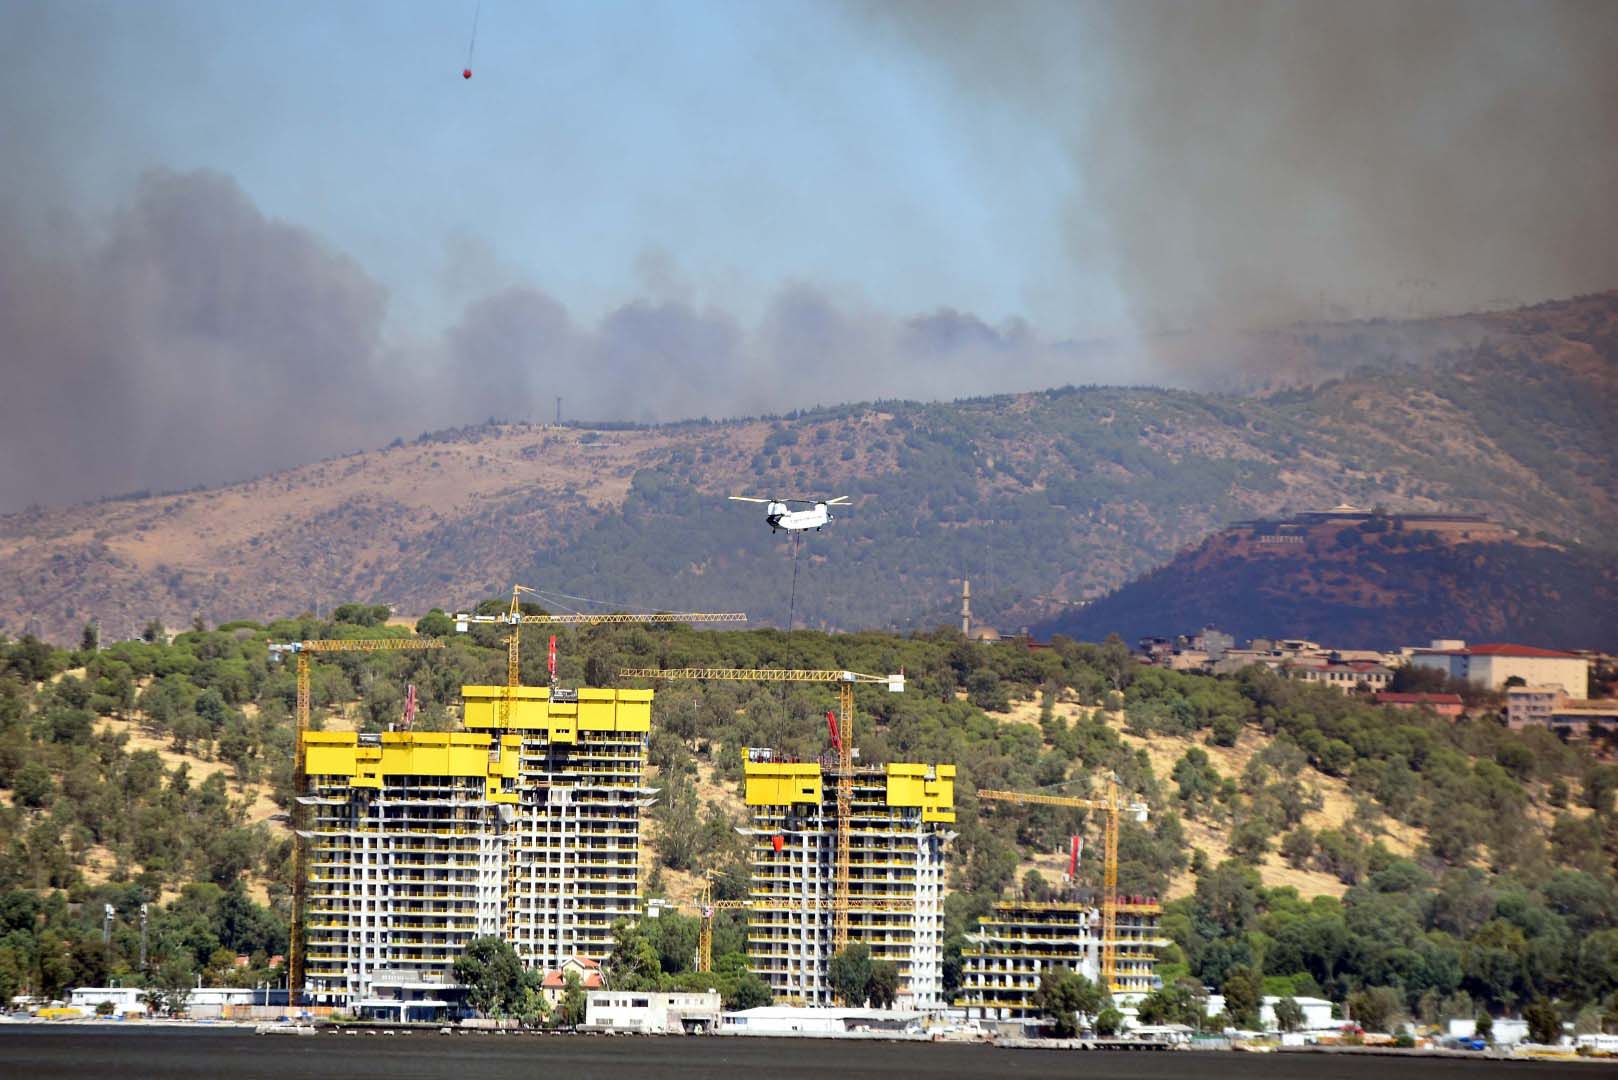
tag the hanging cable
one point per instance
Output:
(792, 602)
(466, 72)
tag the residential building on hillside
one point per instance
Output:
(1020, 940)
(1578, 717)
(898, 839)
(1345, 676)
(1490, 665)
(1531, 704)
(1570, 717)
(525, 826)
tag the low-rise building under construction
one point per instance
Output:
(526, 826)
(1019, 941)
(897, 838)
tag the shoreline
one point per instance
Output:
(104, 1026)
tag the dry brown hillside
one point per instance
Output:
(1040, 498)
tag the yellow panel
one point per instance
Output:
(781, 783)
(328, 753)
(532, 710)
(908, 785)
(410, 753)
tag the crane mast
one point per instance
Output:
(300, 781)
(1112, 806)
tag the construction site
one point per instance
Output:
(526, 824)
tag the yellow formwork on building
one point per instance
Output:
(782, 783)
(415, 753)
(931, 787)
(533, 710)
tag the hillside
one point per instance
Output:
(152, 773)
(1041, 499)
(1366, 585)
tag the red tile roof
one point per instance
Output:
(1502, 649)
(1418, 699)
(555, 980)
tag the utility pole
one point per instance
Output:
(558, 410)
(143, 939)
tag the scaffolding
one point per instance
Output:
(1019, 941)
(406, 850)
(526, 825)
(895, 857)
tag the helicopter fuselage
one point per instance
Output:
(780, 517)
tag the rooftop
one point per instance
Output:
(1502, 649)
(1419, 699)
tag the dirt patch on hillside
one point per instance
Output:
(683, 887)
(260, 806)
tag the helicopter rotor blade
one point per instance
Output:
(747, 498)
(841, 500)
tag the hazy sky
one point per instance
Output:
(600, 151)
(666, 210)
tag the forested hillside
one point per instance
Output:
(1313, 842)
(1370, 585)
(1040, 499)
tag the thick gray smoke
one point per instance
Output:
(1242, 163)
(190, 340)
(1235, 163)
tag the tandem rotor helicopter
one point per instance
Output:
(776, 512)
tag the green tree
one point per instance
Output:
(90, 639)
(574, 1002)
(1108, 1022)
(170, 989)
(1375, 1007)
(435, 624)
(850, 973)
(1068, 998)
(748, 991)
(634, 963)
(882, 987)
(1544, 1022)
(1484, 1028)
(1288, 1014)
(491, 972)
(1243, 989)
(1609, 1016)
(33, 786)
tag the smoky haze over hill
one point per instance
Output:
(190, 340)
(1234, 165)
(1239, 163)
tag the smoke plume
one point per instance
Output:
(1243, 163)
(190, 340)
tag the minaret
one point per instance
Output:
(966, 608)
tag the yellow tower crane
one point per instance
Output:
(1112, 804)
(300, 782)
(706, 906)
(515, 618)
(846, 681)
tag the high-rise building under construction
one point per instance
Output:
(526, 825)
(897, 838)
